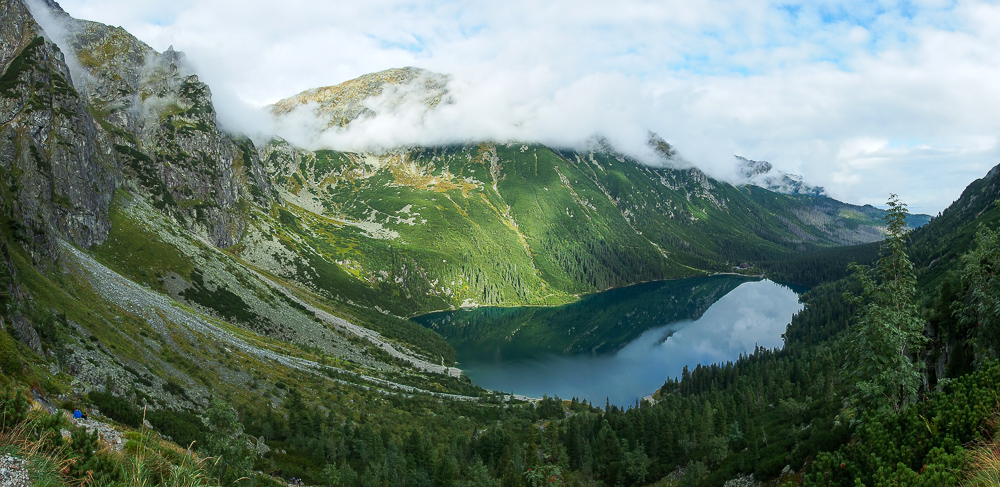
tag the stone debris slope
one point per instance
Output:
(158, 310)
(13, 472)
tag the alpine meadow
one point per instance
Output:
(330, 300)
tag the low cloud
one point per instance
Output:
(606, 105)
(807, 86)
(57, 28)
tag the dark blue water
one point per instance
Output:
(620, 348)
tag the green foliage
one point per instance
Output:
(505, 224)
(815, 268)
(545, 475)
(981, 312)
(889, 330)
(146, 170)
(228, 304)
(227, 444)
(137, 251)
(10, 81)
(330, 476)
(10, 360)
(13, 408)
(184, 428)
(939, 244)
(37, 436)
(172, 387)
(286, 218)
(550, 408)
(923, 445)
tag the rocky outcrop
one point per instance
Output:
(132, 118)
(123, 116)
(661, 147)
(165, 132)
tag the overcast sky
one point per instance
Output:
(864, 98)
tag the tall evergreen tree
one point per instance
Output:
(888, 330)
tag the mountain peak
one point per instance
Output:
(365, 95)
(660, 146)
(763, 174)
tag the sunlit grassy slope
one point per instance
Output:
(511, 224)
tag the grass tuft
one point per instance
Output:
(983, 467)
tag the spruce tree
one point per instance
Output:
(888, 330)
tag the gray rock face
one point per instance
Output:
(134, 118)
(57, 165)
(26, 332)
(17, 30)
(164, 128)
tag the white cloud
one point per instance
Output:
(810, 87)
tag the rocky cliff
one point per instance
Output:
(88, 111)
(163, 124)
(58, 167)
(132, 118)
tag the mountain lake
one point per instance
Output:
(620, 344)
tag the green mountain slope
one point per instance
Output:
(520, 223)
(938, 244)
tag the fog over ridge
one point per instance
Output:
(862, 98)
(472, 112)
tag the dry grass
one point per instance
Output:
(45, 467)
(983, 466)
(146, 461)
